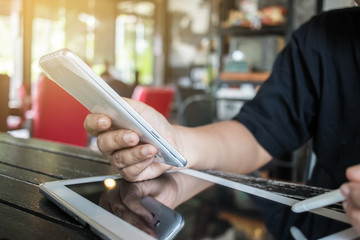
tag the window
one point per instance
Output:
(84, 27)
(6, 46)
(10, 45)
(134, 41)
(90, 28)
(48, 35)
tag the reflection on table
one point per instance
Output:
(210, 211)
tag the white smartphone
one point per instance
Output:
(77, 78)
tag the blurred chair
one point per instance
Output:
(160, 98)
(182, 93)
(18, 116)
(196, 111)
(120, 87)
(4, 101)
(57, 116)
(194, 106)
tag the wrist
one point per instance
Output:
(193, 144)
(183, 140)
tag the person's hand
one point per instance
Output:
(125, 200)
(140, 218)
(123, 148)
(351, 191)
(133, 159)
(204, 147)
(164, 188)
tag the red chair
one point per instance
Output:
(57, 116)
(160, 98)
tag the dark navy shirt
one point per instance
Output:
(314, 92)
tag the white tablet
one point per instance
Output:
(189, 204)
(77, 78)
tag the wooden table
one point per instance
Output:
(26, 214)
(24, 164)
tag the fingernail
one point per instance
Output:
(102, 122)
(147, 151)
(345, 190)
(129, 138)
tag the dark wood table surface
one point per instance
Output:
(25, 163)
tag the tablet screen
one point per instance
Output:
(208, 210)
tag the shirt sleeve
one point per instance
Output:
(281, 115)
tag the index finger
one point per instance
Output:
(94, 123)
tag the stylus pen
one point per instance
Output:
(297, 234)
(319, 201)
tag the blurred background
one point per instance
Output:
(195, 61)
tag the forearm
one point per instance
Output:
(226, 146)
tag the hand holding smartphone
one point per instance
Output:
(77, 78)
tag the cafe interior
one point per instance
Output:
(195, 61)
